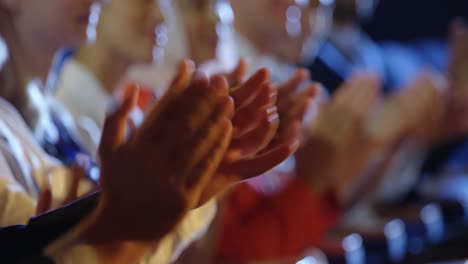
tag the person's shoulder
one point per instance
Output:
(74, 81)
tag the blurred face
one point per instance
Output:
(130, 28)
(284, 24)
(61, 23)
(206, 22)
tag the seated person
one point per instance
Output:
(39, 174)
(51, 25)
(280, 153)
(241, 220)
(331, 173)
(128, 216)
(87, 83)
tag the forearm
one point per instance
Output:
(94, 239)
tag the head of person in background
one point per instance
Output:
(201, 30)
(286, 29)
(126, 33)
(33, 32)
(208, 26)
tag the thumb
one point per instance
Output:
(113, 134)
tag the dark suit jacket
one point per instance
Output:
(24, 244)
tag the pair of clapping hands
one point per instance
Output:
(203, 136)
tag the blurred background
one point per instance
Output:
(418, 216)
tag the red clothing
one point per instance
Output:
(284, 224)
(146, 95)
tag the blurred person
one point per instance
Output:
(100, 65)
(240, 215)
(283, 149)
(448, 157)
(280, 34)
(21, 25)
(207, 28)
(37, 31)
(109, 222)
(45, 179)
(338, 165)
(201, 30)
(278, 154)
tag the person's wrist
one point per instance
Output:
(102, 231)
(97, 227)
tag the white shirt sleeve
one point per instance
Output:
(67, 249)
(194, 226)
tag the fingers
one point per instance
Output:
(178, 85)
(202, 140)
(256, 140)
(246, 121)
(113, 134)
(208, 164)
(44, 203)
(247, 92)
(302, 102)
(181, 117)
(459, 54)
(292, 133)
(78, 173)
(183, 77)
(236, 77)
(131, 126)
(221, 85)
(290, 86)
(208, 132)
(249, 168)
(357, 95)
(458, 31)
(247, 118)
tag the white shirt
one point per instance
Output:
(82, 94)
(26, 169)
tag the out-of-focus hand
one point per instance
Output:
(338, 148)
(458, 66)
(414, 111)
